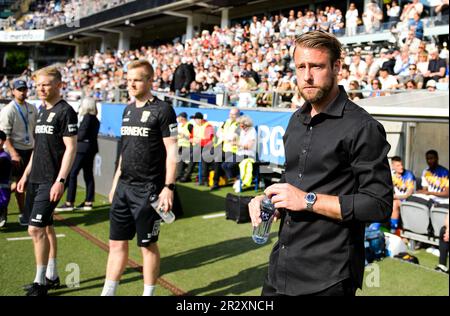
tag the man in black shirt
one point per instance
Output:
(337, 178)
(50, 163)
(146, 169)
(436, 67)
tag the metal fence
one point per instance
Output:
(224, 98)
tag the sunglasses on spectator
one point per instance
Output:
(412, 68)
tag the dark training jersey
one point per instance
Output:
(52, 125)
(143, 150)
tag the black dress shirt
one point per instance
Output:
(341, 151)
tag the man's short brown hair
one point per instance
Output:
(48, 71)
(320, 40)
(142, 64)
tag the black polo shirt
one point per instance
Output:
(51, 127)
(143, 151)
(341, 151)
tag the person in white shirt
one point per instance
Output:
(393, 12)
(351, 18)
(388, 82)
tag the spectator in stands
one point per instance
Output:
(402, 63)
(344, 77)
(422, 63)
(411, 42)
(387, 81)
(18, 121)
(337, 26)
(372, 17)
(87, 148)
(388, 61)
(264, 98)
(183, 75)
(252, 73)
(411, 85)
(417, 26)
(246, 86)
(443, 13)
(404, 183)
(413, 76)
(373, 66)
(321, 196)
(443, 248)
(185, 133)
(415, 7)
(351, 20)
(285, 92)
(358, 67)
(353, 94)
(376, 88)
(431, 85)
(5, 175)
(436, 67)
(393, 12)
(434, 178)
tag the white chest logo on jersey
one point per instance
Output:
(44, 129)
(145, 116)
(50, 117)
(134, 131)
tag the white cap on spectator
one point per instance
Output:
(431, 83)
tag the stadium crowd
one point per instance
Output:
(46, 14)
(247, 61)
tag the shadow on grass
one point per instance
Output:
(209, 254)
(14, 227)
(98, 214)
(199, 200)
(238, 284)
(99, 280)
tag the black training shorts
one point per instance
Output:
(131, 213)
(38, 205)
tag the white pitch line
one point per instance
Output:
(28, 238)
(213, 215)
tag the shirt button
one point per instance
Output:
(283, 246)
(310, 128)
(288, 222)
(300, 175)
(304, 151)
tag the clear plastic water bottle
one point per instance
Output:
(261, 232)
(167, 217)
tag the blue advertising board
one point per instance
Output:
(271, 126)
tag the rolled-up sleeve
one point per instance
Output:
(6, 120)
(372, 201)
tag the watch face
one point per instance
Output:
(310, 197)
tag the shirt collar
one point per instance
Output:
(335, 108)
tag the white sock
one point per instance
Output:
(40, 275)
(52, 271)
(149, 290)
(110, 287)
